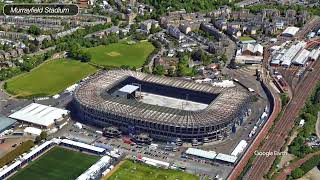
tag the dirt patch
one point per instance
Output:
(6, 147)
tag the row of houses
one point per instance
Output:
(188, 20)
(269, 21)
(15, 35)
(14, 53)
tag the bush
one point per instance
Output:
(297, 173)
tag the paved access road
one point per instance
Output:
(276, 139)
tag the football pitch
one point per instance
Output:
(122, 53)
(48, 79)
(137, 171)
(57, 164)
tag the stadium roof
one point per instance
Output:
(37, 149)
(290, 31)
(226, 158)
(201, 153)
(225, 107)
(129, 89)
(95, 168)
(39, 114)
(83, 145)
(5, 123)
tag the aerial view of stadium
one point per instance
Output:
(159, 90)
(136, 102)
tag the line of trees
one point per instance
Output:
(305, 167)
(298, 147)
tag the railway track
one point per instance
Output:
(277, 138)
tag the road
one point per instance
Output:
(276, 139)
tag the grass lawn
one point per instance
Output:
(57, 164)
(138, 171)
(121, 53)
(49, 78)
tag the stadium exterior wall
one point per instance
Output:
(156, 131)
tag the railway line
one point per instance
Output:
(282, 128)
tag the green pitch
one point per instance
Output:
(121, 53)
(57, 164)
(48, 79)
(138, 171)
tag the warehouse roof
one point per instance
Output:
(302, 57)
(201, 153)
(5, 123)
(290, 31)
(39, 114)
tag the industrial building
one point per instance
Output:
(40, 115)
(249, 54)
(290, 31)
(164, 108)
(6, 123)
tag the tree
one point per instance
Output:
(37, 140)
(35, 30)
(297, 173)
(171, 71)
(159, 70)
(43, 135)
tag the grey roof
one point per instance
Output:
(5, 123)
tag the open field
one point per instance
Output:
(49, 78)
(138, 171)
(121, 53)
(56, 164)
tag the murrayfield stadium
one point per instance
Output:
(163, 108)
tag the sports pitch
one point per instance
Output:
(57, 164)
(121, 53)
(48, 79)
(138, 171)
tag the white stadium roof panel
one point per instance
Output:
(129, 88)
(83, 145)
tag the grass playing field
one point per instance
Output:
(57, 164)
(49, 78)
(138, 171)
(121, 53)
